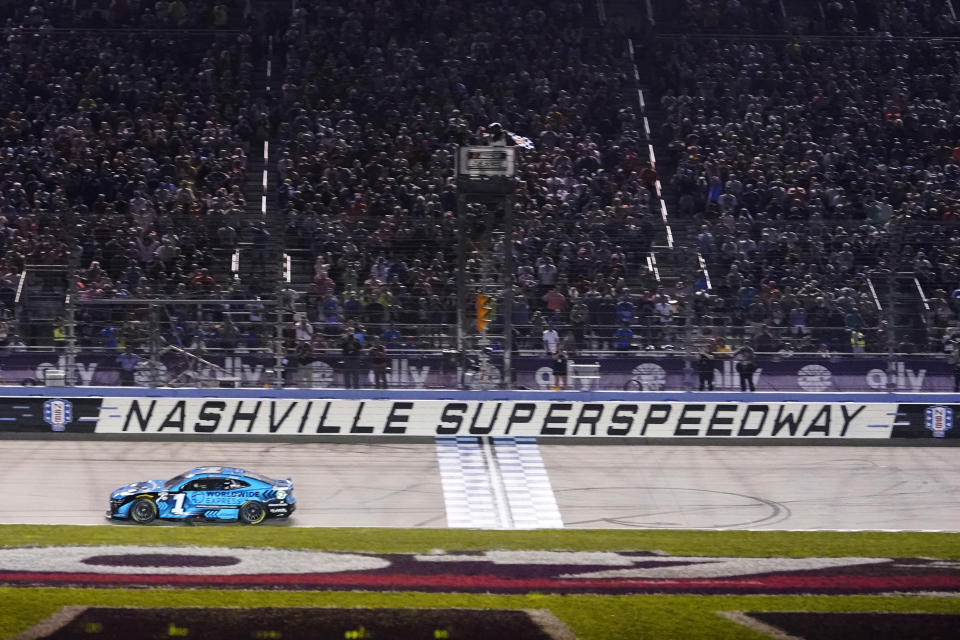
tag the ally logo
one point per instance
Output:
(939, 420)
(58, 413)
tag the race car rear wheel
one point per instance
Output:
(143, 510)
(252, 513)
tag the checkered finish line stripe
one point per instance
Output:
(498, 485)
(526, 483)
(467, 491)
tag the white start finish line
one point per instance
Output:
(501, 484)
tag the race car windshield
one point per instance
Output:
(172, 482)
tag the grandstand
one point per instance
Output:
(420, 258)
(705, 176)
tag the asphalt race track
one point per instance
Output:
(404, 485)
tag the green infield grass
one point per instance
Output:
(591, 617)
(381, 540)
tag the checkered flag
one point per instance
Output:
(521, 141)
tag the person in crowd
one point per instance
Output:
(128, 362)
(746, 367)
(858, 341)
(561, 365)
(705, 370)
(303, 357)
(59, 334)
(303, 330)
(578, 324)
(722, 346)
(15, 344)
(229, 334)
(954, 359)
(551, 340)
(623, 337)
(377, 356)
(351, 351)
(392, 337)
(764, 341)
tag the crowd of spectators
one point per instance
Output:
(721, 16)
(893, 17)
(376, 96)
(813, 169)
(809, 169)
(146, 14)
(123, 157)
(900, 18)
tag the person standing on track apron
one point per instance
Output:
(352, 351)
(560, 364)
(705, 370)
(746, 367)
(378, 363)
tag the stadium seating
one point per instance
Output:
(299, 157)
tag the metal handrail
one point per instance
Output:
(434, 352)
(873, 293)
(23, 279)
(923, 296)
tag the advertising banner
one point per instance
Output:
(174, 415)
(627, 372)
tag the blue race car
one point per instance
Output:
(205, 493)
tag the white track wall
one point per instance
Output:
(589, 415)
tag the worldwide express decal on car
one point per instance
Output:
(230, 494)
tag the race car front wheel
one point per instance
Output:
(143, 510)
(252, 513)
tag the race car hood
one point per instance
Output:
(137, 487)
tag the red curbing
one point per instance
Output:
(767, 584)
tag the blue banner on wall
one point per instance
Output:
(627, 372)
